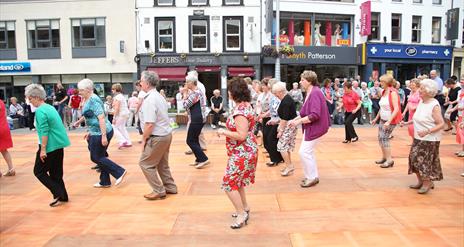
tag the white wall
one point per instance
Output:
(386, 8)
(182, 11)
(120, 25)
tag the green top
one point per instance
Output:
(48, 123)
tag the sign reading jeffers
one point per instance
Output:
(318, 55)
(15, 67)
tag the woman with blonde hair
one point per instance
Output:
(120, 116)
(389, 115)
(424, 157)
(413, 101)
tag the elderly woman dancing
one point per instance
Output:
(285, 133)
(53, 139)
(241, 149)
(390, 116)
(99, 136)
(424, 157)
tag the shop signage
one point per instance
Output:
(409, 51)
(318, 55)
(15, 67)
(365, 18)
(452, 24)
(343, 42)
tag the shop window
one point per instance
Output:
(199, 30)
(327, 30)
(417, 1)
(375, 26)
(232, 2)
(43, 34)
(198, 2)
(7, 35)
(164, 3)
(436, 29)
(88, 32)
(436, 2)
(165, 34)
(396, 27)
(233, 33)
(416, 29)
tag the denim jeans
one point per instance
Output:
(99, 155)
(193, 141)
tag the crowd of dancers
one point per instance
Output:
(259, 108)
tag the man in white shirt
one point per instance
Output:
(202, 88)
(156, 140)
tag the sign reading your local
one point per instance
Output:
(409, 51)
(15, 67)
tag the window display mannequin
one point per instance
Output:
(283, 38)
(317, 34)
(337, 34)
(299, 39)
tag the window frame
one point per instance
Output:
(224, 3)
(437, 2)
(417, 1)
(378, 25)
(157, 47)
(81, 32)
(418, 29)
(208, 31)
(50, 34)
(224, 33)
(191, 4)
(157, 4)
(7, 36)
(439, 29)
(399, 26)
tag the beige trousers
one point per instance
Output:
(154, 162)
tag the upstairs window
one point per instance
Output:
(7, 35)
(233, 32)
(164, 34)
(396, 27)
(164, 2)
(436, 30)
(416, 29)
(43, 34)
(199, 30)
(88, 32)
(198, 2)
(375, 26)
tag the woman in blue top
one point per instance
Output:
(99, 136)
(53, 139)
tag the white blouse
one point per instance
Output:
(423, 120)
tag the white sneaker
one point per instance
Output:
(202, 164)
(119, 180)
(213, 126)
(98, 185)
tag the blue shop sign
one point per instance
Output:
(409, 51)
(15, 67)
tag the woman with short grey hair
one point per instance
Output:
(424, 157)
(286, 134)
(53, 139)
(99, 135)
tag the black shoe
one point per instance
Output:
(271, 164)
(95, 167)
(57, 202)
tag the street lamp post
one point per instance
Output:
(277, 41)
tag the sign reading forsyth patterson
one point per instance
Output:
(318, 55)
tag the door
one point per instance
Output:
(3, 93)
(212, 81)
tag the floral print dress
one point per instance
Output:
(243, 155)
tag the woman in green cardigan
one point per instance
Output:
(52, 140)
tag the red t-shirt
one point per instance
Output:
(75, 101)
(350, 101)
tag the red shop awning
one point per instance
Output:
(170, 73)
(241, 71)
(208, 69)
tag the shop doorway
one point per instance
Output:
(212, 81)
(2, 93)
(406, 72)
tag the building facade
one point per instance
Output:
(48, 42)
(329, 37)
(219, 39)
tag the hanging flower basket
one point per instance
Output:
(287, 50)
(269, 51)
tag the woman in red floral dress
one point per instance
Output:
(242, 150)
(5, 140)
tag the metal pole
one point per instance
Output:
(277, 41)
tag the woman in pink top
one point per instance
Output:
(413, 101)
(133, 103)
(352, 104)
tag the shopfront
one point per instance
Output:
(213, 69)
(327, 62)
(405, 61)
